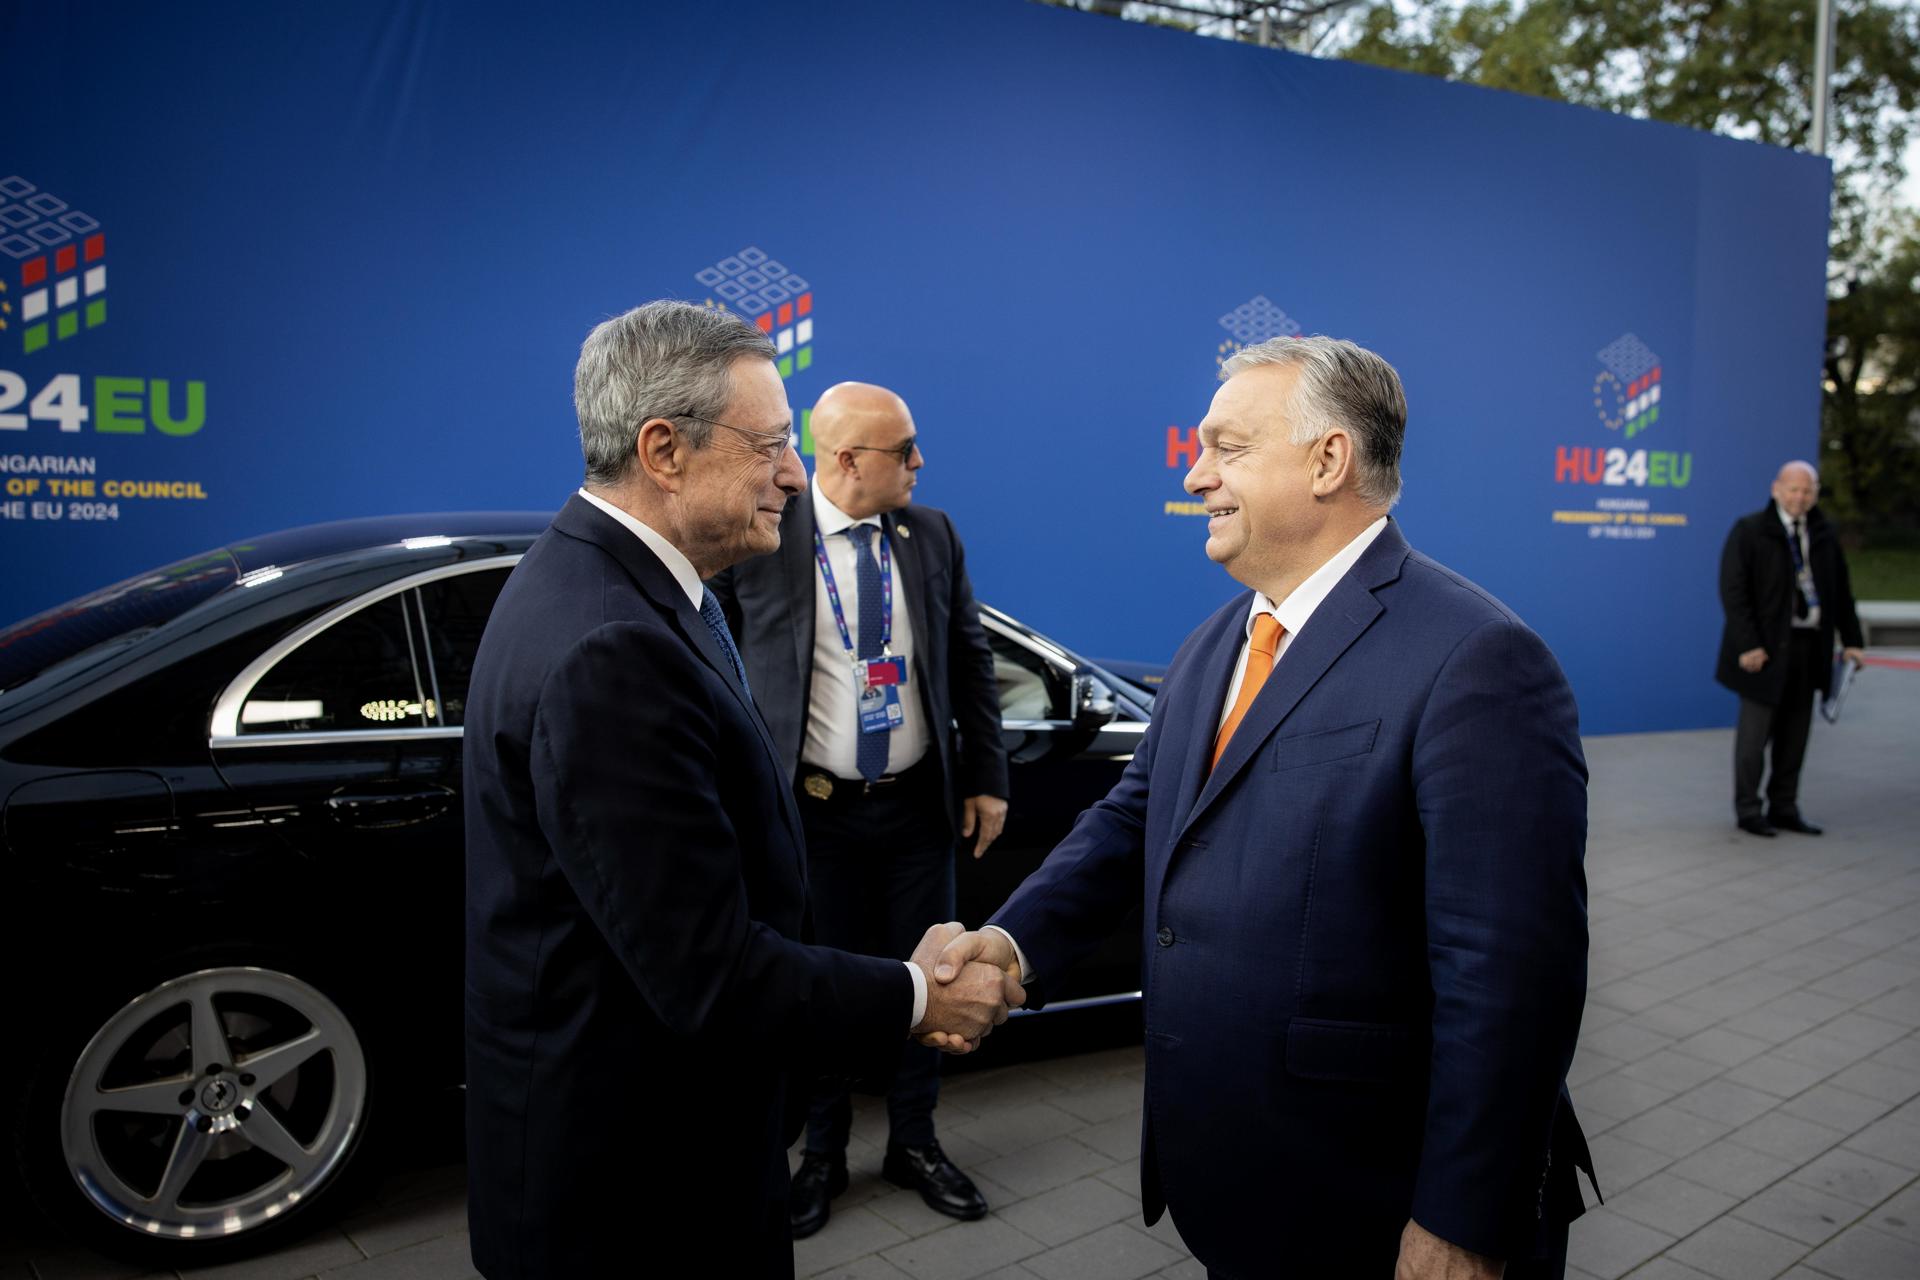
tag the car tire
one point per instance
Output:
(216, 1112)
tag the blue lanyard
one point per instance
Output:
(886, 595)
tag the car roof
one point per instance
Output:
(287, 547)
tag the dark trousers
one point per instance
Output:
(1785, 726)
(879, 873)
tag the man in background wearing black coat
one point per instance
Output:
(882, 804)
(1784, 589)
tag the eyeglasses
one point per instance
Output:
(772, 444)
(904, 452)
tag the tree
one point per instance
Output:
(1870, 427)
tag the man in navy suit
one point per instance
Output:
(1359, 817)
(642, 1009)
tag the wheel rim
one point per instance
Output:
(214, 1103)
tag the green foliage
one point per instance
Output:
(1870, 429)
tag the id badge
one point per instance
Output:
(880, 708)
(886, 671)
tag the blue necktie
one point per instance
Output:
(1804, 595)
(717, 623)
(872, 751)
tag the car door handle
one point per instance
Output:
(368, 807)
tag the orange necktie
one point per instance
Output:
(1260, 650)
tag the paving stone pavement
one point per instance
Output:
(1748, 1069)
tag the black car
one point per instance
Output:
(233, 864)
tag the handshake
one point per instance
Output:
(973, 980)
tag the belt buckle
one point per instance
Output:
(818, 785)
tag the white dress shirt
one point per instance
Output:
(1293, 613)
(833, 713)
(1813, 610)
(683, 573)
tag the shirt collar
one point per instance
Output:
(829, 518)
(677, 564)
(1300, 603)
(1785, 519)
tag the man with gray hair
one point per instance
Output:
(1359, 819)
(1786, 596)
(642, 1010)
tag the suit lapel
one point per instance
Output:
(1203, 708)
(1349, 609)
(899, 527)
(583, 520)
(798, 573)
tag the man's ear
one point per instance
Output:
(1332, 463)
(660, 453)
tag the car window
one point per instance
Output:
(456, 611)
(1031, 688)
(357, 674)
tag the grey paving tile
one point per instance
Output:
(1736, 1170)
(1734, 1250)
(1665, 1268)
(1619, 1164)
(1006, 1130)
(396, 1226)
(849, 1234)
(1044, 1166)
(1836, 1108)
(1102, 1102)
(1722, 1047)
(67, 1263)
(1607, 1245)
(1618, 1096)
(1671, 1070)
(1066, 1213)
(1185, 1269)
(962, 1251)
(1117, 1252)
(1864, 1253)
(1672, 1204)
(1771, 1073)
(326, 1249)
(1726, 1102)
(1890, 1139)
(1788, 1137)
(1899, 1216)
(1799, 1212)
(1854, 1176)
(1124, 1176)
(1625, 1041)
(1118, 1138)
(1876, 1079)
(444, 1259)
(1671, 1131)
(871, 1267)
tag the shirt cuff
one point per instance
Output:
(1026, 970)
(919, 994)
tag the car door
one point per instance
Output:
(345, 739)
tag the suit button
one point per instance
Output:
(1166, 936)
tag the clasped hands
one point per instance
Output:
(973, 981)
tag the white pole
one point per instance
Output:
(1823, 78)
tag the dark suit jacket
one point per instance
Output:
(1756, 594)
(1365, 932)
(635, 900)
(769, 605)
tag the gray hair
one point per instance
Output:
(1341, 384)
(661, 360)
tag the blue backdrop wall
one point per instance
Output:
(271, 264)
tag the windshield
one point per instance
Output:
(111, 617)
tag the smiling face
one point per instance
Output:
(1256, 484)
(736, 487)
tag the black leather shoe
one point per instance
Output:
(1793, 822)
(815, 1183)
(939, 1182)
(1757, 827)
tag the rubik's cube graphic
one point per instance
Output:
(60, 255)
(1632, 376)
(1253, 321)
(772, 297)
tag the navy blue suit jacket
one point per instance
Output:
(636, 987)
(1364, 947)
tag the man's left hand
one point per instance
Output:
(1425, 1256)
(988, 814)
(1858, 657)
